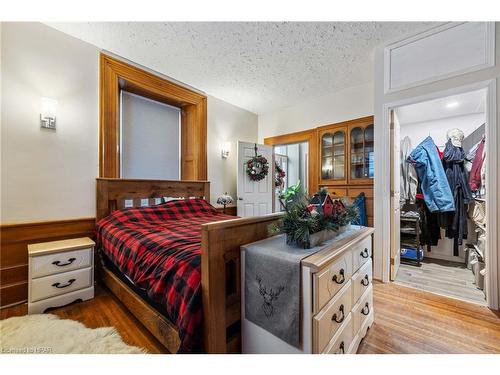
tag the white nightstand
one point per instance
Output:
(60, 272)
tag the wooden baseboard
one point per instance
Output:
(14, 240)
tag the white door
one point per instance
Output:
(395, 196)
(255, 198)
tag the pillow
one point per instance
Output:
(168, 199)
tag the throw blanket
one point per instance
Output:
(272, 287)
(159, 249)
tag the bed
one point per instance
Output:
(175, 265)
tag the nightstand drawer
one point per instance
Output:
(361, 280)
(51, 264)
(361, 253)
(50, 286)
(329, 320)
(329, 281)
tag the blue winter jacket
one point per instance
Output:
(432, 178)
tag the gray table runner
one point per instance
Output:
(272, 287)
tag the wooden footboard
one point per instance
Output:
(220, 278)
(220, 261)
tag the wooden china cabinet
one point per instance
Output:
(346, 153)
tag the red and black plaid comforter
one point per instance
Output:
(159, 249)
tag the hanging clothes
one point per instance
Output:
(470, 156)
(477, 164)
(482, 191)
(456, 222)
(409, 182)
(432, 178)
(429, 225)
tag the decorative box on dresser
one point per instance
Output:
(60, 272)
(336, 298)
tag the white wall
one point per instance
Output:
(226, 123)
(418, 131)
(347, 104)
(47, 175)
(150, 138)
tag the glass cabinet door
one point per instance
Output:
(357, 153)
(339, 155)
(327, 156)
(369, 152)
(333, 154)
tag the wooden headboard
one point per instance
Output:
(112, 193)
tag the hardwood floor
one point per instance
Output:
(102, 311)
(443, 277)
(406, 321)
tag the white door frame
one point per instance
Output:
(382, 204)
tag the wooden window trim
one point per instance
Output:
(309, 136)
(116, 75)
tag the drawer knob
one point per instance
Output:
(59, 264)
(365, 281)
(366, 309)
(341, 348)
(342, 316)
(365, 253)
(59, 286)
(339, 279)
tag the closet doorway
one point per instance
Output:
(439, 196)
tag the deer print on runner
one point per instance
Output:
(269, 296)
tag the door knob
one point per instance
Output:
(240, 198)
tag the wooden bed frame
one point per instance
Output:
(220, 262)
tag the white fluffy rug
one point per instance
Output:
(46, 333)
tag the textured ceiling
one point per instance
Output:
(254, 65)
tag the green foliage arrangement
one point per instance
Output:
(301, 219)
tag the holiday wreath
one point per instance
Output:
(257, 167)
(279, 177)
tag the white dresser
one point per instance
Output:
(337, 299)
(60, 272)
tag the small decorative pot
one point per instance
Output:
(315, 239)
(344, 228)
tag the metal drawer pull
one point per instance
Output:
(364, 253)
(338, 280)
(365, 281)
(341, 348)
(366, 309)
(59, 286)
(59, 264)
(334, 317)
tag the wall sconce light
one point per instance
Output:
(225, 150)
(48, 113)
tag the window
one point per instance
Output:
(150, 138)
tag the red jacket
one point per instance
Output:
(475, 173)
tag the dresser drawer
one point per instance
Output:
(54, 285)
(327, 282)
(329, 320)
(341, 343)
(363, 309)
(60, 262)
(361, 253)
(361, 280)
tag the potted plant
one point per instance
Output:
(308, 222)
